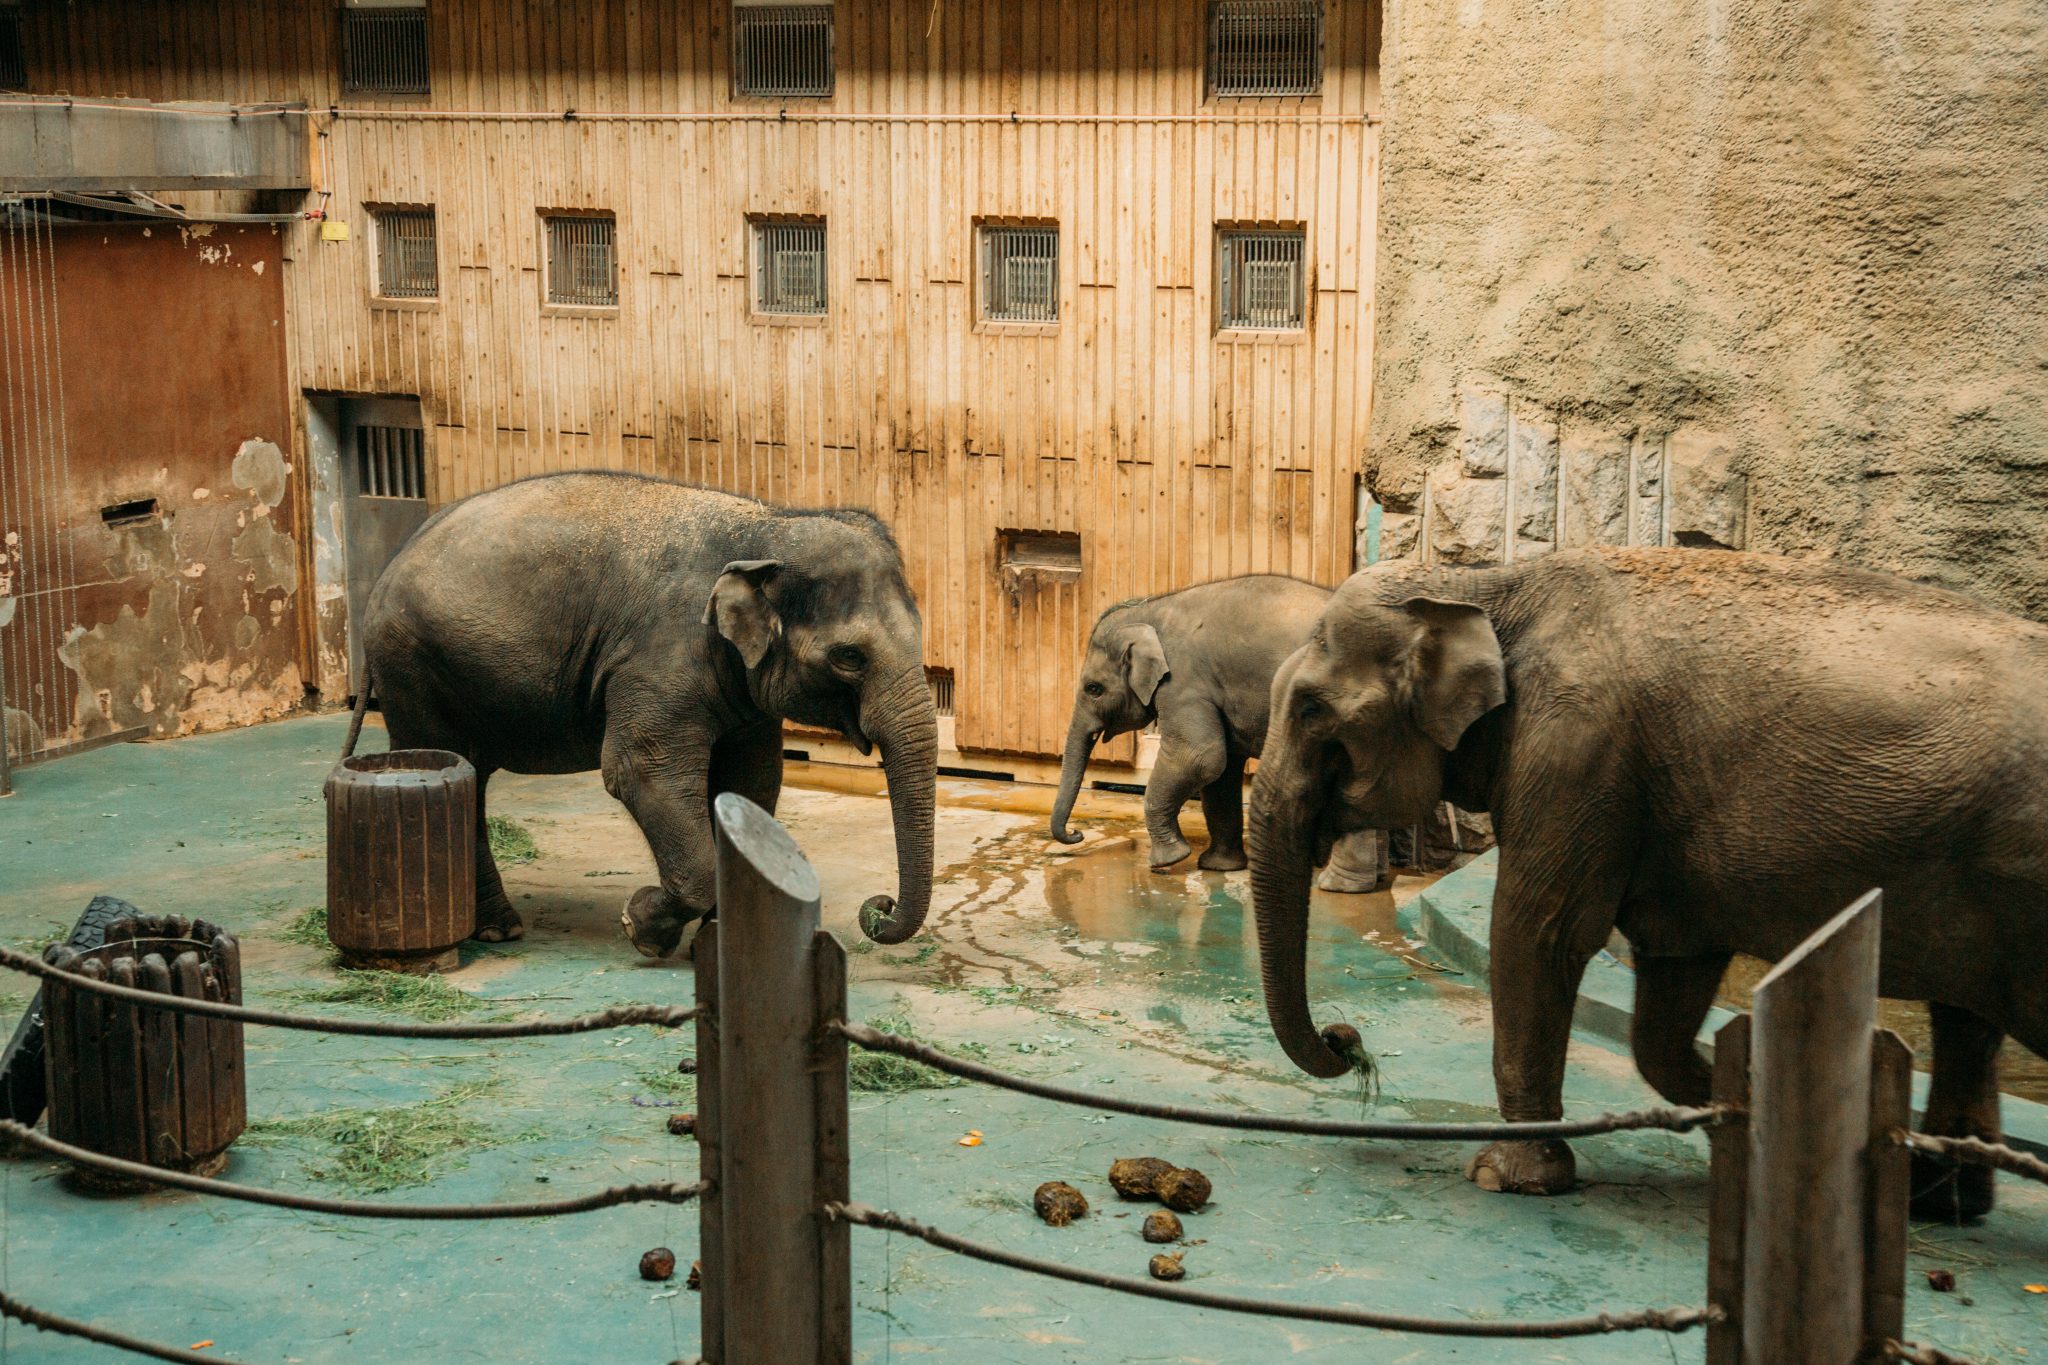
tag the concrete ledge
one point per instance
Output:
(1454, 916)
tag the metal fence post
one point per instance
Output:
(1811, 1039)
(774, 1247)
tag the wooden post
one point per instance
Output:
(774, 1247)
(1810, 1065)
(710, 1204)
(1728, 1192)
(1890, 1176)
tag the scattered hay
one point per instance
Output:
(420, 997)
(996, 1201)
(377, 1150)
(509, 840)
(308, 928)
(887, 1074)
(667, 1081)
(1345, 1041)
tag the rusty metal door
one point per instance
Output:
(384, 495)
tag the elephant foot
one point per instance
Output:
(653, 923)
(497, 921)
(1546, 1167)
(1165, 853)
(1347, 881)
(1948, 1191)
(1216, 859)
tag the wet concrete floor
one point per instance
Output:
(1079, 966)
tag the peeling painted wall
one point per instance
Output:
(183, 616)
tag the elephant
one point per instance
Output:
(659, 633)
(1200, 662)
(1712, 752)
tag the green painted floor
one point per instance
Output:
(1087, 968)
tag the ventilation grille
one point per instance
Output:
(941, 680)
(1020, 274)
(384, 51)
(783, 50)
(391, 462)
(1266, 47)
(582, 262)
(13, 60)
(406, 266)
(789, 267)
(1259, 281)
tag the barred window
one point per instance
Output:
(583, 261)
(1020, 274)
(391, 462)
(1265, 47)
(782, 50)
(1259, 278)
(789, 265)
(383, 51)
(13, 59)
(406, 262)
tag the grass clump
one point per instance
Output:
(887, 1074)
(420, 997)
(668, 1081)
(308, 928)
(509, 840)
(375, 1150)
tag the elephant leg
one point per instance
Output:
(1552, 911)
(1673, 995)
(1192, 755)
(1962, 1101)
(496, 920)
(665, 785)
(1358, 864)
(749, 762)
(1223, 809)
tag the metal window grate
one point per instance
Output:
(384, 51)
(406, 264)
(789, 267)
(1020, 274)
(582, 262)
(782, 50)
(941, 680)
(1259, 279)
(1266, 47)
(391, 462)
(13, 58)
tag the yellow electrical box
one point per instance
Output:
(333, 231)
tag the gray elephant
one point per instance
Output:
(659, 633)
(1712, 752)
(1200, 662)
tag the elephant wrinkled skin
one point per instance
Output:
(660, 633)
(1713, 752)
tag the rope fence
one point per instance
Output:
(1972, 1151)
(44, 1321)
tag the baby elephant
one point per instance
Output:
(1200, 662)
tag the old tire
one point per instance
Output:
(24, 1086)
(401, 858)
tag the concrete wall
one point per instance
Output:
(1750, 273)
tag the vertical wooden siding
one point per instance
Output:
(1176, 455)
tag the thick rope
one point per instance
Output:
(51, 1322)
(621, 1016)
(1913, 1353)
(1640, 1320)
(1977, 1152)
(667, 1192)
(1670, 1120)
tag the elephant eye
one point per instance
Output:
(1093, 689)
(1309, 709)
(847, 657)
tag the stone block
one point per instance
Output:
(1532, 463)
(1709, 498)
(1594, 467)
(1532, 549)
(1483, 438)
(1400, 535)
(1467, 517)
(1649, 521)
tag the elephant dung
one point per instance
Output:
(1167, 1266)
(682, 1125)
(658, 1264)
(1161, 1227)
(1059, 1203)
(1184, 1190)
(1137, 1177)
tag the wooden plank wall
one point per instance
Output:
(1177, 456)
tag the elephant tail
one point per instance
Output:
(355, 720)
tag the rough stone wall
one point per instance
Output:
(1750, 273)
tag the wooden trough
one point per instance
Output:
(401, 859)
(146, 1084)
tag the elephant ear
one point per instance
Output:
(741, 612)
(1144, 662)
(1459, 673)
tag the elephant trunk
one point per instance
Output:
(1080, 744)
(904, 726)
(1282, 856)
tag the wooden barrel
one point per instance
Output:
(145, 1084)
(401, 859)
